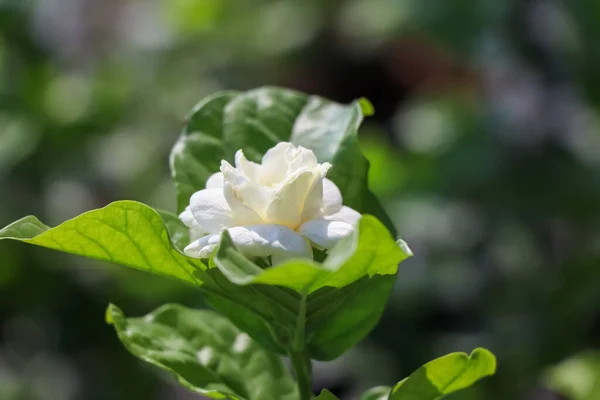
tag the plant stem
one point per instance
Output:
(298, 357)
(303, 369)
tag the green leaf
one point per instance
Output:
(206, 352)
(125, 232)
(179, 233)
(257, 120)
(344, 297)
(445, 375)
(199, 151)
(368, 252)
(326, 395)
(377, 393)
(336, 327)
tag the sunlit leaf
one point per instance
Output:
(206, 352)
(344, 297)
(369, 251)
(124, 232)
(446, 375)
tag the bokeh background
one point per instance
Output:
(485, 150)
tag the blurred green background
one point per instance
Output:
(485, 150)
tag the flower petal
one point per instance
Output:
(251, 169)
(215, 181)
(270, 240)
(188, 220)
(345, 214)
(247, 200)
(300, 157)
(274, 167)
(242, 214)
(203, 247)
(332, 198)
(211, 211)
(313, 204)
(325, 233)
(253, 194)
(289, 198)
(283, 159)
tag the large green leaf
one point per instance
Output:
(206, 352)
(445, 375)
(124, 232)
(199, 151)
(257, 120)
(336, 303)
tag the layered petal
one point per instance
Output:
(211, 211)
(345, 214)
(242, 214)
(265, 240)
(247, 199)
(313, 203)
(300, 157)
(188, 220)
(283, 159)
(250, 169)
(298, 192)
(274, 166)
(325, 233)
(202, 247)
(332, 198)
(215, 181)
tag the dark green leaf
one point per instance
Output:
(258, 119)
(206, 352)
(199, 151)
(125, 232)
(353, 312)
(446, 375)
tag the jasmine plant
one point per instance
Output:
(277, 228)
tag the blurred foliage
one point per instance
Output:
(484, 147)
(577, 377)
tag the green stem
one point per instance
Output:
(300, 361)
(299, 332)
(303, 369)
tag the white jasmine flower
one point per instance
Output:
(279, 208)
